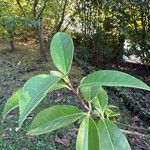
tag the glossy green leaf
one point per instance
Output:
(53, 118)
(111, 137)
(62, 51)
(33, 92)
(112, 106)
(12, 102)
(89, 92)
(101, 100)
(110, 113)
(97, 95)
(113, 78)
(88, 138)
(59, 85)
(114, 114)
(56, 73)
(59, 74)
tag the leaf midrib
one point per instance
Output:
(22, 113)
(63, 54)
(105, 84)
(108, 134)
(55, 120)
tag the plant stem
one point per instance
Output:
(81, 102)
(135, 133)
(133, 128)
(94, 115)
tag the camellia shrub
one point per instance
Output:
(97, 130)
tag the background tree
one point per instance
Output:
(133, 21)
(107, 25)
(32, 11)
(10, 23)
(100, 28)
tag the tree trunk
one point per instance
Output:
(11, 40)
(120, 47)
(40, 37)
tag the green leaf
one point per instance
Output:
(12, 102)
(88, 138)
(110, 113)
(113, 106)
(114, 114)
(101, 100)
(111, 137)
(62, 51)
(89, 92)
(33, 92)
(59, 85)
(56, 73)
(54, 118)
(113, 78)
(97, 95)
(59, 74)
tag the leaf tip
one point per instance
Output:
(3, 119)
(18, 128)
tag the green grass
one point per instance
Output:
(15, 69)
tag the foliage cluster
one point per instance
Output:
(107, 25)
(100, 27)
(97, 119)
